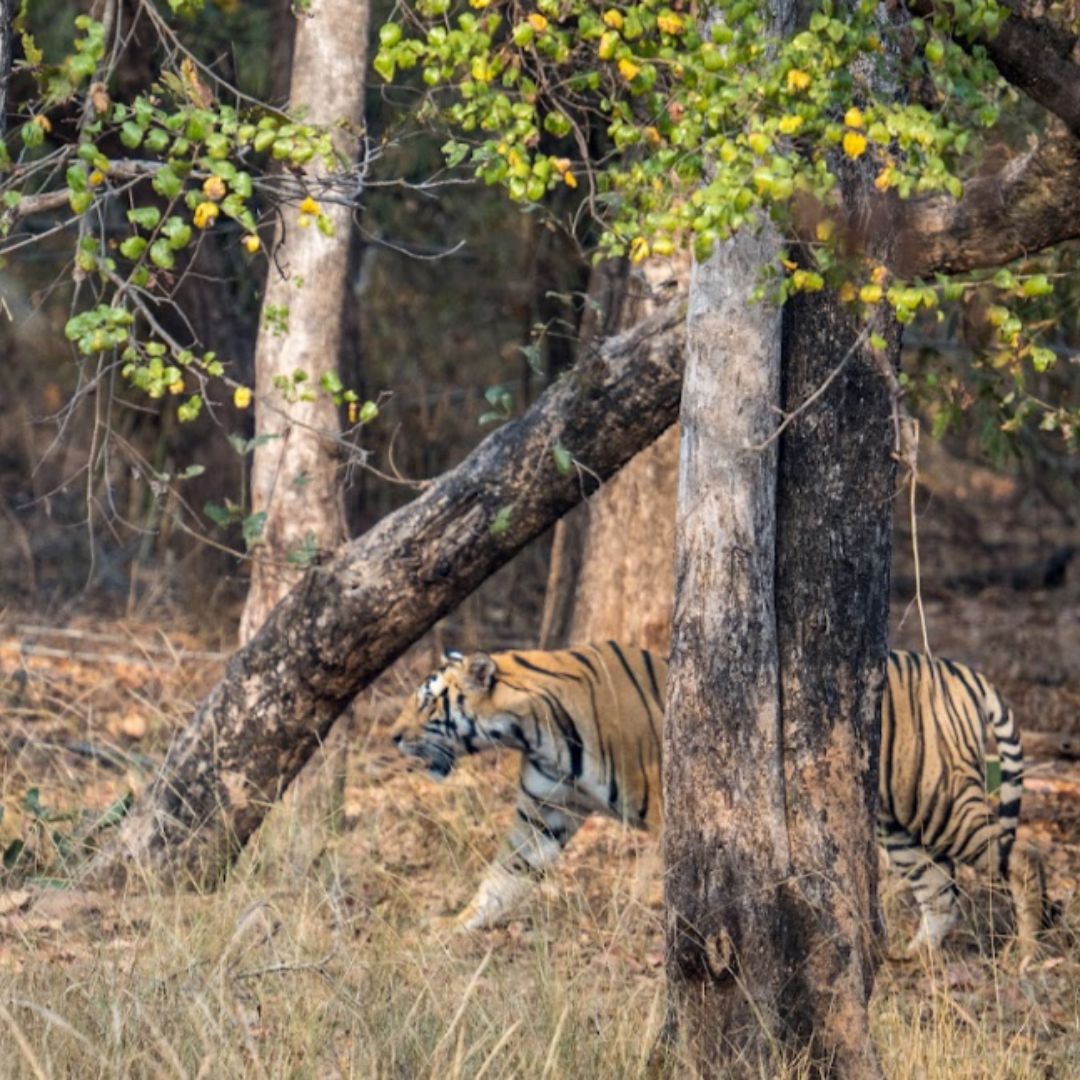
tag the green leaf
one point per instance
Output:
(146, 217)
(12, 853)
(1037, 285)
(166, 183)
(115, 813)
(500, 523)
(133, 247)
(131, 135)
(191, 471)
(253, 527)
(564, 460)
(81, 201)
(161, 255)
(368, 411)
(217, 514)
(993, 774)
(32, 803)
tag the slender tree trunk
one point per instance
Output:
(355, 614)
(294, 479)
(612, 564)
(7, 8)
(726, 848)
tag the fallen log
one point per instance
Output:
(355, 614)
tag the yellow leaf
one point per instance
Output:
(879, 275)
(653, 135)
(538, 22)
(205, 214)
(613, 18)
(561, 164)
(789, 265)
(797, 80)
(824, 232)
(43, 122)
(310, 206)
(883, 180)
(847, 292)
(97, 178)
(628, 69)
(870, 294)
(639, 249)
(569, 179)
(854, 117)
(854, 144)
(251, 243)
(176, 387)
(214, 188)
(670, 24)
(241, 397)
(790, 124)
(304, 221)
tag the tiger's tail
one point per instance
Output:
(1002, 722)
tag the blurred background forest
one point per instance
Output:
(452, 291)
(454, 294)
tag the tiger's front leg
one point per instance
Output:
(541, 830)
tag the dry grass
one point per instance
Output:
(322, 956)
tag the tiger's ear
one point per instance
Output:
(480, 672)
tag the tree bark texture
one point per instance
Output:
(612, 561)
(1026, 206)
(770, 754)
(294, 476)
(356, 613)
(725, 846)
(834, 538)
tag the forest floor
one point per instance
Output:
(322, 955)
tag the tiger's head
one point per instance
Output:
(454, 712)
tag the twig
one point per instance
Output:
(906, 451)
(791, 416)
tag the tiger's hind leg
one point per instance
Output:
(931, 880)
(1026, 876)
(996, 855)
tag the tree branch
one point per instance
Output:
(1034, 54)
(351, 617)
(1028, 205)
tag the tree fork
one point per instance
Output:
(354, 615)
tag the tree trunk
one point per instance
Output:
(355, 614)
(770, 756)
(612, 562)
(725, 845)
(6, 9)
(294, 479)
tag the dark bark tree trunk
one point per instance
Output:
(355, 614)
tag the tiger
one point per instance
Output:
(587, 722)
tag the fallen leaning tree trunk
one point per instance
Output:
(353, 615)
